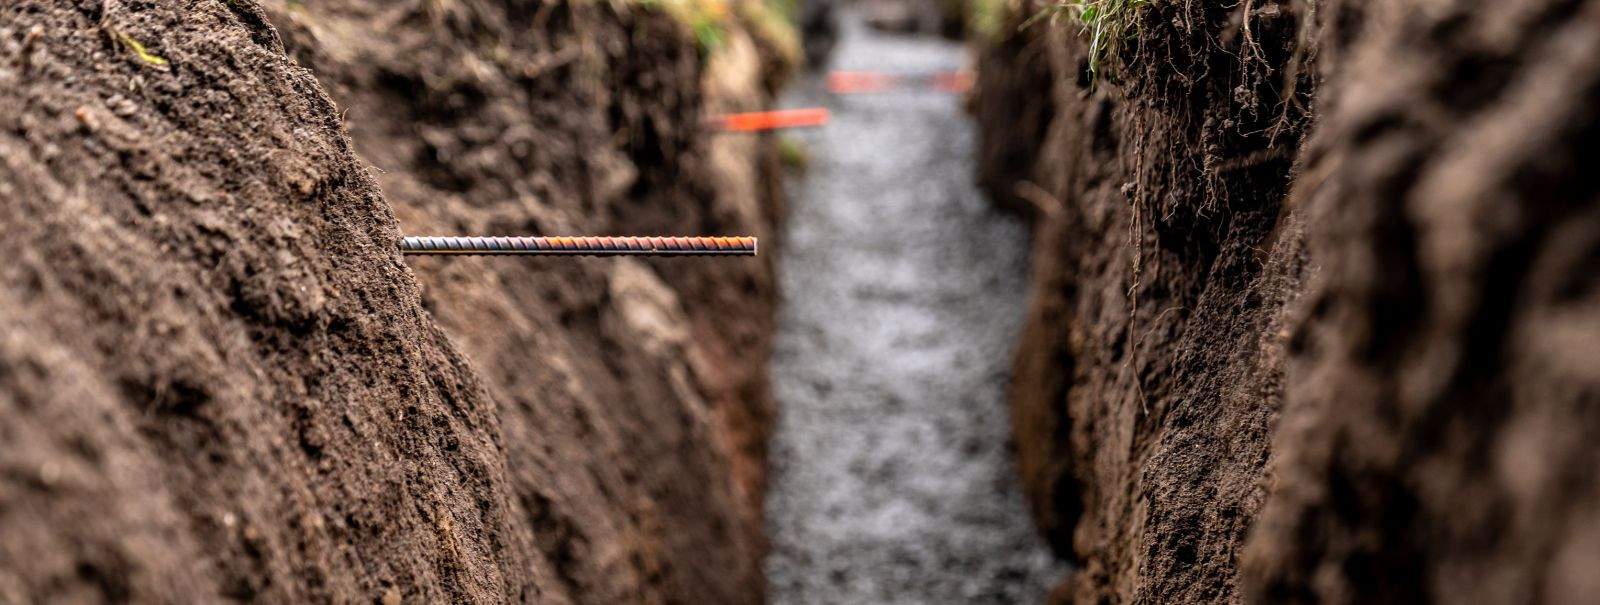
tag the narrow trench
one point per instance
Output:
(902, 294)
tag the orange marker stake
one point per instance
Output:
(772, 120)
(866, 82)
(952, 81)
(858, 82)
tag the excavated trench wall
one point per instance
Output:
(219, 380)
(1314, 316)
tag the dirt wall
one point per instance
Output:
(220, 381)
(1227, 319)
(1443, 399)
(1147, 374)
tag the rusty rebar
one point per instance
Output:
(582, 246)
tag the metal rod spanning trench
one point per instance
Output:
(582, 246)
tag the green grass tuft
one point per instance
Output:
(793, 153)
(709, 21)
(985, 18)
(1107, 23)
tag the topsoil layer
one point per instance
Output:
(1315, 315)
(220, 381)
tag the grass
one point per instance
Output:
(706, 19)
(793, 153)
(710, 21)
(985, 18)
(1107, 23)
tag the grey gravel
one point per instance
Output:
(902, 294)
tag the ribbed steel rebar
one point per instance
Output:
(582, 246)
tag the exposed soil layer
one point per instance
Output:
(578, 118)
(219, 381)
(1442, 415)
(1396, 358)
(1148, 371)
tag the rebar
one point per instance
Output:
(582, 246)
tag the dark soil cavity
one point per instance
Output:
(901, 289)
(219, 381)
(1371, 354)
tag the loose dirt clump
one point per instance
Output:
(1385, 332)
(218, 379)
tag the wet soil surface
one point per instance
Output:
(901, 293)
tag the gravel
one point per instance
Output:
(902, 294)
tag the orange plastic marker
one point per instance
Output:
(855, 82)
(952, 81)
(772, 120)
(863, 82)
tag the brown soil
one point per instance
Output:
(1443, 408)
(1407, 338)
(1147, 375)
(578, 119)
(218, 379)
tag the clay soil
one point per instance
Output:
(219, 380)
(1314, 310)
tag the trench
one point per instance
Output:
(902, 292)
